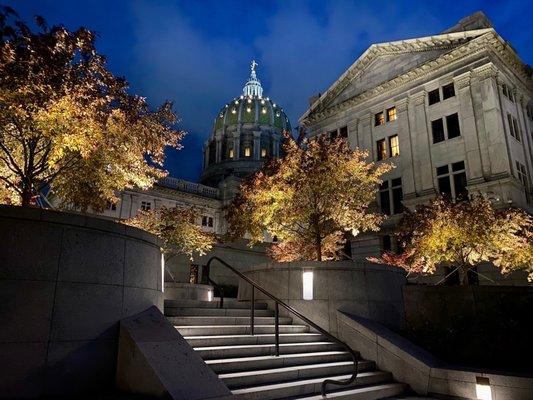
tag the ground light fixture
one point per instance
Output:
(307, 285)
(162, 271)
(483, 391)
(210, 295)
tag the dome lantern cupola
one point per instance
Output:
(253, 85)
(247, 132)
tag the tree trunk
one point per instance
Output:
(463, 275)
(26, 196)
(318, 246)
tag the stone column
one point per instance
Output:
(406, 150)
(521, 104)
(353, 139)
(492, 119)
(237, 143)
(366, 141)
(206, 154)
(275, 147)
(421, 143)
(218, 152)
(257, 145)
(477, 165)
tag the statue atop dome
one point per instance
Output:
(253, 85)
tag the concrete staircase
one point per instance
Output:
(247, 364)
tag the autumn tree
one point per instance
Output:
(309, 199)
(462, 235)
(177, 229)
(67, 123)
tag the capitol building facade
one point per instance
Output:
(453, 112)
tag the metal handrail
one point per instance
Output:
(291, 310)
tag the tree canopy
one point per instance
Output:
(177, 228)
(462, 235)
(309, 199)
(68, 123)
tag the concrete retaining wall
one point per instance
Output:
(366, 289)
(65, 281)
(425, 374)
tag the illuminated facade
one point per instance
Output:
(453, 112)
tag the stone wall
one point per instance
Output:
(365, 289)
(66, 280)
(460, 323)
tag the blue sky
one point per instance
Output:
(197, 53)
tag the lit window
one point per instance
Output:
(146, 205)
(381, 149)
(394, 146)
(264, 110)
(379, 119)
(391, 114)
(233, 110)
(231, 153)
(263, 152)
(248, 109)
(433, 96)
(247, 152)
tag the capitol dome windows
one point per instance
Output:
(247, 131)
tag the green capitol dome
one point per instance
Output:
(246, 132)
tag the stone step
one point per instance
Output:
(228, 365)
(374, 392)
(228, 303)
(305, 386)
(264, 338)
(215, 312)
(266, 376)
(209, 353)
(203, 330)
(226, 320)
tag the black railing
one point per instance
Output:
(277, 302)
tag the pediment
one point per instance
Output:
(384, 68)
(382, 62)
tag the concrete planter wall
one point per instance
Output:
(65, 282)
(369, 290)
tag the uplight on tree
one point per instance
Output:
(309, 199)
(462, 235)
(68, 124)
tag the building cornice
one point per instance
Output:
(488, 40)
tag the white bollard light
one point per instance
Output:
(483, 391)
(162, 272)
(307, 285)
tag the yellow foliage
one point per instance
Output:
(309, 199)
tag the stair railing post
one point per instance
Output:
(277, 329)
(252, 312)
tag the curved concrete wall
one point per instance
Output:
(65, 281)
(368, 290)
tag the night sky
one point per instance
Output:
(197, 53)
